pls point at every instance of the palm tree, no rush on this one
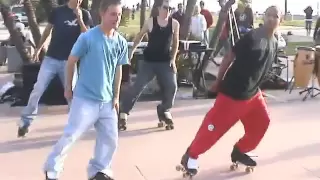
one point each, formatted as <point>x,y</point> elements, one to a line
<point>95,11</point>
<point>17,40</point>
<point>32,20</point>
<point>143,12</point>
<point>187,19</point>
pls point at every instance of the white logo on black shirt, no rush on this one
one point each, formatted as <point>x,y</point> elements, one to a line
<point>71,23</point>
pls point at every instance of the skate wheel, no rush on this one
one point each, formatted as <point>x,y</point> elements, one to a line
<point>160,124</point>
<point>249,169</point>
<point>234,167</point>
<point>169,127</point>
<point>185,175</point>
<point>179,168</point>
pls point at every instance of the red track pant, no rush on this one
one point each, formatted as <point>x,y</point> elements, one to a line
<point>223,115</point>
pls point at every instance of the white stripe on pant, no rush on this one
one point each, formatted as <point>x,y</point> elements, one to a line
<point>83,115</point>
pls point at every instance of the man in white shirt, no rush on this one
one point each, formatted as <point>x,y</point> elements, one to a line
<point>198,26</point>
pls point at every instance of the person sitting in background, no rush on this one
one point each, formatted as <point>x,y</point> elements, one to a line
<point>198,26</point>
<point>179,14</point>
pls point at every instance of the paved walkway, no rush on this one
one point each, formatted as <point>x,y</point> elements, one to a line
<point>290,149</point>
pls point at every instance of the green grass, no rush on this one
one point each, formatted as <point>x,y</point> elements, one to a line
<point>291,47</point>
<point>134,25</point>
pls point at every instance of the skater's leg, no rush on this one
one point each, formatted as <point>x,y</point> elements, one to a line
<point>144,76</point>
<point>83,114</point>
<point>106,142</point>
<point>48,70</point>
<point>167,79</point>
<point>255,122</point>
<point>224,114</point>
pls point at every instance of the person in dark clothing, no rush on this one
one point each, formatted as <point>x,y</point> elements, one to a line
<point>239,97</point>
<point>179,15</point>
<point>159,61</point>
<point>316,33</point>
<point>308,11</point>
<point>65,24</point>
<point>244,19</point>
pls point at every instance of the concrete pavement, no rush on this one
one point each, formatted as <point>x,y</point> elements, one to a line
<point>290,149</point>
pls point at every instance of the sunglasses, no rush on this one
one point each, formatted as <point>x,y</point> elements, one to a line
<point>168,8</point>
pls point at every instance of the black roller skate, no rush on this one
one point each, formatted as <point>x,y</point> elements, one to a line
<point>188,166</point>
<point>23,130</point>
<point>165,119</point>
<point>47,178</point>
<point>238,157</point>
<point>122,123</point>
<point>101,176</point>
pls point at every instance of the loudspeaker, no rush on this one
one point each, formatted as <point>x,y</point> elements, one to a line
<point>53,95</point>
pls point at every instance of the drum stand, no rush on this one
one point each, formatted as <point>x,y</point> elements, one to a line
<point>310,90</point>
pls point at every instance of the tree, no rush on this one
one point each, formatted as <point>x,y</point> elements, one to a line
<point>32,20</point>
<point>17,40</point>
<point>187,19</point>
<point>143,12</point>
<point>95,11</point>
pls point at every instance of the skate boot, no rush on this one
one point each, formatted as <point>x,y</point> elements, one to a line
<point>122,123</point>
<point>101,176</point>
<point>165,118</point>
<point>22,130</point>
<point>238,157</point>
<point>47,178</point>
<point>188,166</point>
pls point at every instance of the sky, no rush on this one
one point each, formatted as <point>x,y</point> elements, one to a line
<point>294,6</point>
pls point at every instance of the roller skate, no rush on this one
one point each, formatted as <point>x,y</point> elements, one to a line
<point>188,166</point>
<point>165,119</point>
<point>238,157</point>
<point>101,176</point>
<point>23,129</point>
<point>122,123</point>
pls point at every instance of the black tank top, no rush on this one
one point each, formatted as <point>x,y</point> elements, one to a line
<point>158,49</point>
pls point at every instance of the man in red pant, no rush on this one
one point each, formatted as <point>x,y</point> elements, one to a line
<point>240,75</point>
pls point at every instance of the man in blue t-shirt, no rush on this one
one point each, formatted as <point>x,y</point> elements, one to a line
<point>65,24</point>
<point>101,51</point>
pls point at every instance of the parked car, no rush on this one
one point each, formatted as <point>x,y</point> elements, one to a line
<point>19,14</point>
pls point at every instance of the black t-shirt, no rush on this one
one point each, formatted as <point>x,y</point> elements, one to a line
<point>254,54</point>
<point>65,32</point>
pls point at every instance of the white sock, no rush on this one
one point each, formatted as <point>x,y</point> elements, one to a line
<point>168,115</point>
<point>123,116</point>
<point>192,163</point>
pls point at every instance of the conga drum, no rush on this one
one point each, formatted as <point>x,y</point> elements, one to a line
<point>317,63</point>
<point>303,66</point>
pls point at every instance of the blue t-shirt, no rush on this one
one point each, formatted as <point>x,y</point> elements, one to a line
<point>65,32</point>
<point>99,56</point>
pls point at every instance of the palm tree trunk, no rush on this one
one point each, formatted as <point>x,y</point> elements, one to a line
<point>9,23</point>
<point>143,13</point>
<point>187,19</point>
<point>154,10</point>
<point>30,12</point>
<point>95,11</point>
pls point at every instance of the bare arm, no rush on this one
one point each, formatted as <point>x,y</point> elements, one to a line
<point>140,35</point>
<point>47,31</point>
<point>117,82</point>
<point>175,42</point>
<point>71,63</point>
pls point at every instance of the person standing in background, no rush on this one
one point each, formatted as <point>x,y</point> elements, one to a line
<point>308,11</point>
<point>244,17</point>
<point>179,14</point>
<point>208,17</point>
<point>198,26</point>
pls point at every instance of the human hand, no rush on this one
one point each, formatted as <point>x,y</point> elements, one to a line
<point>115,103</point>
<point>36,56</point>
<point>173,66</point>
<point>68,94</point>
